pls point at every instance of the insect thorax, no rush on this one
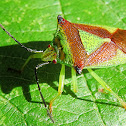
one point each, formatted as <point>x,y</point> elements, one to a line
<point>63,51</point>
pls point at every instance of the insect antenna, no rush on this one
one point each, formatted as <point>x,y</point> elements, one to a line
<point>37,67</point>
<point>36,77</point>
<point>28,49</point>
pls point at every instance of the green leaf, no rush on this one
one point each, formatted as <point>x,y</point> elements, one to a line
<point>34,23</point>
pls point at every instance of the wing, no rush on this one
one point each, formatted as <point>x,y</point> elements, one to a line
<point>105,46</point>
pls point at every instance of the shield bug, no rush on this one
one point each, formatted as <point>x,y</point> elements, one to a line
<point>80,46</point>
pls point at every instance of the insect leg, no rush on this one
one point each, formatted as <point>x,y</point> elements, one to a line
<point>28,49</point>
<point>61,86</point>
<point>37,55</point>
<point>74,79</point>
<point>36,77</point>
<point>106,86</point>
